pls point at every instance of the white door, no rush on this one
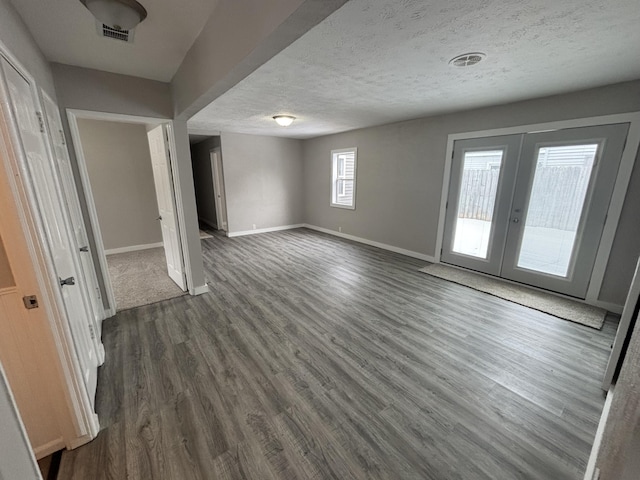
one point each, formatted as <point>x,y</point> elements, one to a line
<point>45,189</point>
<point>218,187</point>
<point>163,179</point>
<point>531,208</point>
<point>89,276</point>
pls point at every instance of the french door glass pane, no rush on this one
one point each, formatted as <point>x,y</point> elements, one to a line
<point>558,194</point>
<point>476,202</point>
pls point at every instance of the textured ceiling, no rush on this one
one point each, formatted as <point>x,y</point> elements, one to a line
<point>66,33</point>
<point>377,62</point>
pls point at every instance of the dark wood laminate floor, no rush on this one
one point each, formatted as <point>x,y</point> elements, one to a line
<point>317,358</point>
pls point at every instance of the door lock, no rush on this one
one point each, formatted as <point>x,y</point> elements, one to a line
<point>67,281</point>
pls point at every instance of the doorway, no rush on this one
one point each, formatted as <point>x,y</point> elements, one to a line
<point>208,179</point>
<point>126,171</point>
<point>532,207</point>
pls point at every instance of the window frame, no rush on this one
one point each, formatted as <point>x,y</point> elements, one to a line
<point>335,178</point>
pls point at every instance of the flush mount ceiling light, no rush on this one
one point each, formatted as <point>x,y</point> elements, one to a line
<point>117,14</point>
<point>467,59</point>
<point>284,120</point>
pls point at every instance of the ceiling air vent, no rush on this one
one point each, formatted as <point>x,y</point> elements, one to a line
<point>467,59</point>
<point>110,32</point>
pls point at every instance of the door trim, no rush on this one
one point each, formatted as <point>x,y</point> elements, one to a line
<point>73,115</point>
<point>617,198</point>
<point>85,421</point>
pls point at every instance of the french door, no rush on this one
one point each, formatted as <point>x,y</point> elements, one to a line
<point>531,208</point>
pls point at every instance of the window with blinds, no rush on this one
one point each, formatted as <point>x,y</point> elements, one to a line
<point>343,178</point>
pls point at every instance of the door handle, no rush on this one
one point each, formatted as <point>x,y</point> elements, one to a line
<point>516,220</point>
<point>67,281</point>
<point>84,249</point>
<point>159,218</point>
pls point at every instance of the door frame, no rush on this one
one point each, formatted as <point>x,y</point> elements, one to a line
<point>85,421</point>
<point>73,115</point>
<point>617,198</point>
<point>217,177</point>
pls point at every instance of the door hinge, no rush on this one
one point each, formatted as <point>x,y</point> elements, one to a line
<point>91,331</point>
<point>62,139</point>
<point>30,301</point>
<point>40,121</point>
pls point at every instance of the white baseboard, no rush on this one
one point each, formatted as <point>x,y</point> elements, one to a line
<point>200,289</point>
<point>132,248</point>
<point>384,246</point>
<point>48,448</point>
<point>264,230</point>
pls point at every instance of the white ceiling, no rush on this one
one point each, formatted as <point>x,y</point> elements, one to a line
<point>66,33</point>
<point>372,63</point>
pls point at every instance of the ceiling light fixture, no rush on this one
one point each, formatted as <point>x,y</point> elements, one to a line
<point>284,120</point>
<point>117,14</point>
<point>467,59</point>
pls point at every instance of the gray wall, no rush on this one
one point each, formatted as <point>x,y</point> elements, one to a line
<point>93,90</point>
<point>121,176</point>
<point>17,38</point>
<point>262,177</point>
<point>401,167</point>
<point>88,89</point>
<point>203,179</point>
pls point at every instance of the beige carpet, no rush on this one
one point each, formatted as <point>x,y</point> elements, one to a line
<point>140,278</point>
<point>544,302</point>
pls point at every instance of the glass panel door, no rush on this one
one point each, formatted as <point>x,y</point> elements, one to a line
<point>560,182</point>
<point>482,174</point>
<point>561,197</point>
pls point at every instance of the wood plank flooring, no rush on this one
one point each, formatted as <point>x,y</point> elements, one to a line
<point>313,357</point>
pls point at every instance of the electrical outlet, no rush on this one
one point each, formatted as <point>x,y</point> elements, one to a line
<point>340,229</point>
<point>254,226</point>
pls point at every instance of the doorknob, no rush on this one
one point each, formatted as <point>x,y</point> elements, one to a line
<point>67,281</point>
<point>516,220</point>
<point>84,249</point>
<point>159,218</point>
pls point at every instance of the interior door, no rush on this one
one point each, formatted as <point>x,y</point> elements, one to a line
<point>163,179</point>
<point>218,186</point>
<point>44,182</point>
<point>561,198</point>
<point>481,182</point>
<point>88,272</point>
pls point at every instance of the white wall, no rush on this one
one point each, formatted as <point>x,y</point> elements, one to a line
<point>401,167</point>
<point>263,181</point>
<point>121,176</point>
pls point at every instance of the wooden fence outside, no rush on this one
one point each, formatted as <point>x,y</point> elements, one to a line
<point>557,196</point>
